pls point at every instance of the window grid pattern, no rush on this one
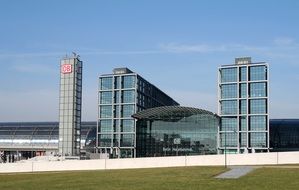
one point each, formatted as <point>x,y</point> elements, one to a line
<point>258,106</point>
<point>243,139</point>
<point>258,123</point>
<point>106,83</point>
<point>128,93</point>
<point>106,97</point>
<point>243,90</point>
<point>258,89</point>
<point>177,134</point>
<point>129,81</point>
<point>258,73</point>
<point>229,107</point>
<point>105,126</point>
<point>250,106</point>
<point>258,139</point>
<point>128,96</point>
<point>128,110</point>
<point>229,75</point>
<point>105,111</point>
<point>243,73</point>
<point>243,106</point>
<point>229,124</point>
<point>243,123</point>
<point>228,139</point>
<point>229,91</point>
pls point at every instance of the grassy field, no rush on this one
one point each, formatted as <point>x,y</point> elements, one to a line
<point>200,178</point>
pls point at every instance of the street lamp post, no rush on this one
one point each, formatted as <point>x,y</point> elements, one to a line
<point>225,156</point>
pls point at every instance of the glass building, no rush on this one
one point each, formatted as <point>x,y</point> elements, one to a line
<point>243,106</point>
<point>284,135</point>
<point>176,131</point>
<point>70,106</point>
<point>120,95</point>
<point>23,140</point>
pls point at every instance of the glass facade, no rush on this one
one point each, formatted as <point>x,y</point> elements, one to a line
<point>284,135</point>
<point>129,81</point>
<point>43,137</point>
<point>228,75</point>
<point>106,83</point>
<point>258,89</point>
<point>70,100</point>
<point>258,73</point>
<point>258,123</point>
<point>243,106</point>
<point>229,91</point>
<point>243,90</point>
<point>122,94</point>
<point>229,124</point>
<point>258,139</point>
<point>229,107</point>
<point>106,97</point>
<point>258,106</point>
<point>173,130</point>
<point>243,74</point>
<point>23,140</point>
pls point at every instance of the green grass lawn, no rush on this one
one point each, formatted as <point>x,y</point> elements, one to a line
<point>200,178</point>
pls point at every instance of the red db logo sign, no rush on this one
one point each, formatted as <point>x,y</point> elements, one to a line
<point>66,68</point>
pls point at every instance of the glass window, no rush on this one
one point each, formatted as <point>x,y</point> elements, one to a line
<point>106,83</point>
<point>229,124</point>
<point>243,106</point>
<point>243,139</point>
<point>129,81</point>
<point>229,107</point>
<point>229,75</point>
<point>258,106</point>
<point>105,125</point>
<point>191,135</point>
<point>243,90</point>
<point>243,74</point>
<point>128,110</point>
<point>115,140</point>
<point>116,111</point>
<point>258,123</point>
<point>258,89</point>
<point>116,96</point>
<point>105,97</point>
<point>127,140</point>
<point>258,73</point>
<point>105,140</point>
<point>105,111</point>
<point>117,83</point>
<point>127,125</point>
<point>128,96</point>
<point>116,125</point>
<point>229,91</point>
<point>243,123</point>
<point>228,139</point>
<point>258,140</point>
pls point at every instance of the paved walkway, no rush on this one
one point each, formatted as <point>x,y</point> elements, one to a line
<point>282,166</point>
<point>236,172</point>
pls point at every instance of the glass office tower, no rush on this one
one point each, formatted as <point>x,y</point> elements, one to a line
<point>120,95</point>
<point>70,106</point>
<point>243,105</point>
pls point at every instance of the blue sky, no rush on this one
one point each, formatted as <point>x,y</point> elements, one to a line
<point>176,45</point>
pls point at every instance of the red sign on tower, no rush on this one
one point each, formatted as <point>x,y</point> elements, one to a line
<point>66,68</point>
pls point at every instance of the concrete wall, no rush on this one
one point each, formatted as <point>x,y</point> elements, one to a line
<point>272,158</point>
